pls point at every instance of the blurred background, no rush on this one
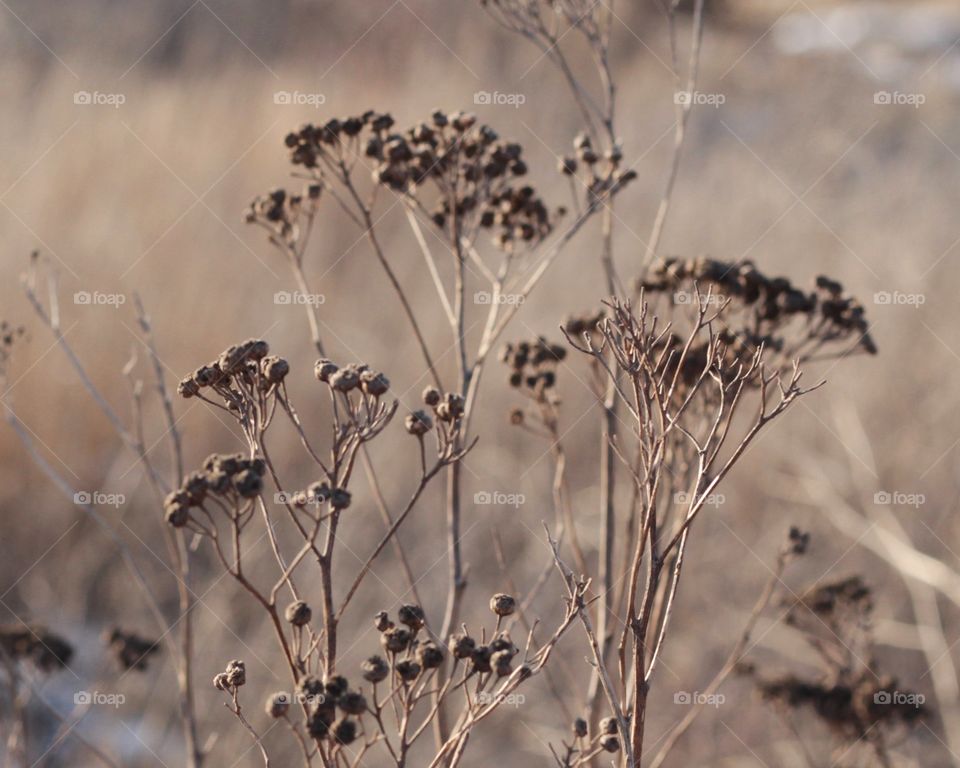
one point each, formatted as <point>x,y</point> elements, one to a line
<point>834,147</point>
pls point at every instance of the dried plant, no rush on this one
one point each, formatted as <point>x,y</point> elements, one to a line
<point>864,709</point>
<point>690,364</point>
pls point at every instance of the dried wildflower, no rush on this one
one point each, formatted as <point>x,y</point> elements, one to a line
<point>274,369</point>
<point>130,649</point>
<point>502,663</point>
<point>451,408</point>
<point>608,725</point>
<point>431,396</point>
<point>344,380</point>
<point>418,423</point>
<point>611,744</point>
<point>580,728</point>
<point>502,604</point>
<point>375,669</point>
<point>45,650</point>
<point>340,498</point>
<point>248,483</point>
<point>352,703</point>
<point>324,369</point>
<point>412,616</point>
<point>407,670</point>
<point>462,646</point>
<point>533,366</point>
<point>277,705</point>
<point>481,658</point>
<point>430,655</point>
<point>298,613</point>
<point>382,621</point>
<point>236,673</point>
<point>345,731</point>
<point>374,384</point>
<point>334,687</point>
<point>395,639</point>
<point>221,681</point>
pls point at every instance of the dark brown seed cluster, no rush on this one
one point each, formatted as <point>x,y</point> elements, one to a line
<point>333,708</point>
<point>533,365</point>
<point>853,709</point>
<point>231,477</point>
<point>494,657</point>
<point>132,651</point>
<point>411,655</point>
<point>830,599</point>
<point>467,163</point>
<point>240,367</point>
<point>585,324</point>
<point>601,175</point>
<point>45,650</point>
<point>829,313</point>
<point>282,213</point>
<point>447,407</point>
<point>798,541</point>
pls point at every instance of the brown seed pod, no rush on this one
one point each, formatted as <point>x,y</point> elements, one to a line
<point>298,613</point>
<point>278,704</point>
<point>503,604</point>
<point>418,423</point>
<point>395,639</point>
<point>412,616</point>
<point>352,703</point>
<point>375,669</point>
<point>324,369</point>
<point>462,646</point>
<point>407,670</point>
<point>430,655</point>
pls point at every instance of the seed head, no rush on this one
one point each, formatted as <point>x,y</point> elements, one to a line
<point>609,725</point>
<point>407,670</point>
<point>345,731</point>
<point>274,369</point>
<point>236,673</point>
<point>611,744</point>
<point>382,621</point>
<point>501,662</point>
<point>580,728</point>
<point>375,669</point>
<point>502,604</point>
<point>248,483</point>
<point>277,704</point>
<point>418,423</point>
<point>352,703</point>
<point>324,369</point>
<point>462,646</point>
<point>412,616</point>
<point>395,639</point>
<point>431,396</point>
<point>344,380</point>
<point>375,384</point>
<point>430,655</point>
<point>298,613</point>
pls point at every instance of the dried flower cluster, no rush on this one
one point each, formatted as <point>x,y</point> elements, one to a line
<point>46,650</point>
<point>472,170</point>
<point>799,325</point>
<point>132,651</point>
<point>864,708</point>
